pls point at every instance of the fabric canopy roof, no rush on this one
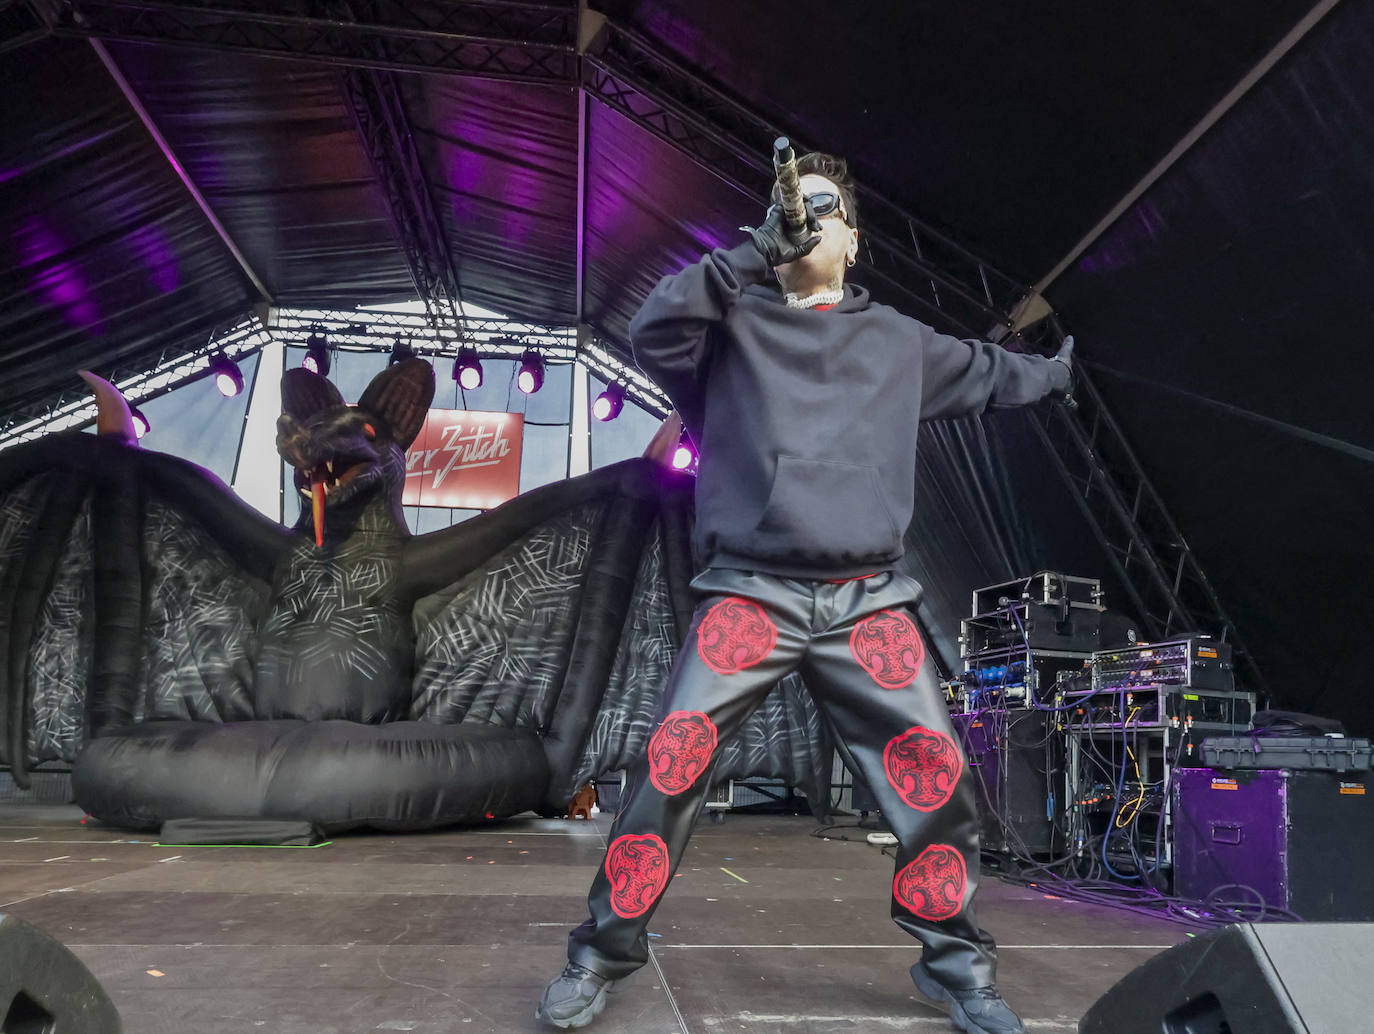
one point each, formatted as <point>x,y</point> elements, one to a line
<point>158,185</point>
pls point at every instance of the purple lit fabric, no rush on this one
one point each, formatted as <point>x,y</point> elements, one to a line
<point>103,255</point>
<point>272,146</point>
<point>501,159</point>
<point>650,211</point>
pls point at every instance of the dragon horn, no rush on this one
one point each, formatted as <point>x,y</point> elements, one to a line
<point>665,439</point>
<point>113,418</point>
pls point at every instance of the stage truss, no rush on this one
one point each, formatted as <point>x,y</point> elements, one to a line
<point>362,330</point>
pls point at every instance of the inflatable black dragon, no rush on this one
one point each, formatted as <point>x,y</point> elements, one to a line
<point>194,659</point>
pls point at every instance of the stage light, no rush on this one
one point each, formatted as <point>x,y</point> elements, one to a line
<point>467,369</point>
<point>228,376</point>
<point>400,352</point>
<point>316,354</point>
<point>684,456</point>
<point>610,402</point>
<point>531,376</point>
<point>141,425</point>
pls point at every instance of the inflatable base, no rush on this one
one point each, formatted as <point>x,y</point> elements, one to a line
<point>339,775</point>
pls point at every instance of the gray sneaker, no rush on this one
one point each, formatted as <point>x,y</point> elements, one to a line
<point>576,997</point>
<point>978,1010</point>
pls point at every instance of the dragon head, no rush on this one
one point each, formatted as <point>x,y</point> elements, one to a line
<point>342,454</point>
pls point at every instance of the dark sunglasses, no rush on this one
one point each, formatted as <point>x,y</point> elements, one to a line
<point>825,203</point>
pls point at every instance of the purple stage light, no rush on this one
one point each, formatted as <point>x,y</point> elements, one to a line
<point>531,376</point>
<point>610,402</point>
<point>467,369</point>
<point>316,354</point>
<point>400,352</point>
<point>685,455</point>
<point>228,376</point>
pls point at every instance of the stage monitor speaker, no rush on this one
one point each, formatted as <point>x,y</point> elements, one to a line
<point>1015,760</point>
<point>44,988</point>
<point>1275,978</point>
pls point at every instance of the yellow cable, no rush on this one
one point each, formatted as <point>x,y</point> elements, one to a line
<point>1130,810</point>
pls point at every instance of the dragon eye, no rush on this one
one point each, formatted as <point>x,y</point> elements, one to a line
<point>369,431</point>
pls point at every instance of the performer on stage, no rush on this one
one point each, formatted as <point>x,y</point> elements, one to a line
<point>805,404</point>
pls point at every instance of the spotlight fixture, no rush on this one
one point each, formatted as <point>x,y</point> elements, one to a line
<point>228,376</point>
<point>610,402</point>
<point>685,455</point>
<point>531,376</point>
<point>467,368</point>
<point>316,354</point>
<point>141,425</point>
<point>400,352</point>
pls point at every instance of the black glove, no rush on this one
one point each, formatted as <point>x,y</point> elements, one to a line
<point>777,244</point>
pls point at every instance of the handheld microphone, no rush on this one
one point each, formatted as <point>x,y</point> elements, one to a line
<point>789,185</point>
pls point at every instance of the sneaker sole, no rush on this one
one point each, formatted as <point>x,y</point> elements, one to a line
<point>936,992</point>
<point>593,1009</point>
<point>581,1019</point>
<point>932,989</point>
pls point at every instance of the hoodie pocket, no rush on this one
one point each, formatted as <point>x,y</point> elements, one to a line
<point>822,510</point>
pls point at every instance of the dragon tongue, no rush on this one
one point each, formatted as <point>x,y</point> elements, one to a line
<point>317,509</point>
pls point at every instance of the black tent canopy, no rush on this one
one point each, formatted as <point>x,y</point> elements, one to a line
<point>1188,184</point>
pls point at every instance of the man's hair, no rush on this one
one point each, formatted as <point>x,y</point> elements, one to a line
<point>836,170</point>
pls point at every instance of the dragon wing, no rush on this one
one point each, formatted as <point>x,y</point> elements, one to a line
<point>563,610</point>
<point>130,585</point>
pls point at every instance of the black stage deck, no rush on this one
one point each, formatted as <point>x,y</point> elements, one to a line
<point>766,929</point>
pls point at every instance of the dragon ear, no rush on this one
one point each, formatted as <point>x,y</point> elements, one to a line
<point>401,395</point>
<point>303,394</point>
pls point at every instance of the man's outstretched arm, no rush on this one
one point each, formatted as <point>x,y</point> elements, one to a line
<point>965,377</point>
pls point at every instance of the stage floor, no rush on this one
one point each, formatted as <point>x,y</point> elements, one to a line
<point>766,929</point>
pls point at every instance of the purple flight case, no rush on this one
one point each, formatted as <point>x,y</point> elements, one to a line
<point>1301,841</point>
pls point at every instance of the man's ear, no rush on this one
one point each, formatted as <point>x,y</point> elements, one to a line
<point>401,395</point>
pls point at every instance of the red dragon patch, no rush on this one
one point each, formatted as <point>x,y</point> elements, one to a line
<point>924,767</point>
<point>735,634</point>
<point>932,887</point>
<point>637,867</point>
<point>889,648</point>
<point>681,751</point>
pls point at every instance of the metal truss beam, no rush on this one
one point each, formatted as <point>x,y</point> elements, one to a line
<point>377,330</point>
<point>948,284</point>
<point>73,408</point>
<point>363,330</point>
<point>494,39</point>
<point>379,115</point>
<point>19,25</point>
<point>1168,588</point>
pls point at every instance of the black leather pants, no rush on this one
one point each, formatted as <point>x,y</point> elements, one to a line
<point>860,655</point>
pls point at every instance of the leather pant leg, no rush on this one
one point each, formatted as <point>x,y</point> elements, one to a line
<point>749,632</point>
<point>865,669</point>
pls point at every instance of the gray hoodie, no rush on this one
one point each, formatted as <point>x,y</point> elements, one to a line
<point>806,420</point>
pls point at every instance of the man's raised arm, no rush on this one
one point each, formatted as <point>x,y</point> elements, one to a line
<point>669,334</point>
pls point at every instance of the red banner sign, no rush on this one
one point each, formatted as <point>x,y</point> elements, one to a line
<point>465,459</point>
